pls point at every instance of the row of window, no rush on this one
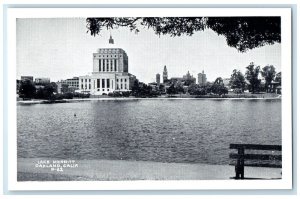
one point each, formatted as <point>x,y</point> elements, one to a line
<point>105,83</point>
<point>104,65</point>
<point>125,80</point>
<point>108,56</point>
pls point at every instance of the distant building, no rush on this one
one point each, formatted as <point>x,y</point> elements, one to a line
<point>165,74</point>
<point>176,80</point>
<point>189,79</point>
<point>42,80</point>
<point>30,78</point>
<point>72,82</point>
<point>202,78</point>
<point>110,72</point>
<point>158,78</point>
<point>226,82</point>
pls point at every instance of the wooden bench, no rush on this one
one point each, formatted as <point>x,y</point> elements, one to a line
<point>262,159</point>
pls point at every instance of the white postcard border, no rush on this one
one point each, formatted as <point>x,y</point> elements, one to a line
<point>284,183</point>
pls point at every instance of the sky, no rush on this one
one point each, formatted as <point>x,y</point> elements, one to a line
<point>61,48</point>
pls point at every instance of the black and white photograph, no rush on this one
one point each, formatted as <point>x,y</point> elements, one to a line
<point>139,98</point>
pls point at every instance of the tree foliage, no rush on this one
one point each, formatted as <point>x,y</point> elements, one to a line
<point>242,33</point>
<point>252,76</point>
<point>27,89</point>
<point>278,78</point>
<point>218,87</point>
<point>237,80</point>
<point>268,72</point>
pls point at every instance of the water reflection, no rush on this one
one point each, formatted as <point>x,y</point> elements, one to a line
<point>150,130</point>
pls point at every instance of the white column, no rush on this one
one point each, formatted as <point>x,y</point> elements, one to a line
<point>109,65</point>
<point>101,64</point>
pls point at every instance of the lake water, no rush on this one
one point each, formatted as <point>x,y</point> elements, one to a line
<point>166,130</point>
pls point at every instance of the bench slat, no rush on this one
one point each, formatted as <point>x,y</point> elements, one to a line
<point>255,156</point>
<point>256,147</point>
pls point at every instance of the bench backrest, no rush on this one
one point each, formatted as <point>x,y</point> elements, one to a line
<point>241,155</point>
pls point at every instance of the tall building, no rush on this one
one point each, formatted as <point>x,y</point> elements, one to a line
<point>188,78</point>
<point>110,72</point>
<point>158,78</point>
<point>202,78</point>
<point>165,74</point>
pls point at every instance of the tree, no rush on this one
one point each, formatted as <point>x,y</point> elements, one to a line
<point>27,89</point>
<point>252,76</point>
<point>268,72</point>
<point>64,88</point>
<point>278,78</point>
<point>218,87</point>
<point>172,90</point>
<point>242,33</point>
<point>237,80</point>
<point>135,88</point>
<point>48,91</point>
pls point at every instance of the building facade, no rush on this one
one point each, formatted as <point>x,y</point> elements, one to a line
<point>110,72</point>
<point>42,80</point>
<point>72,82</point>
<point>165,75</point>
<point>202,78</point>
<point>158,78</point>
<point>30,78</point>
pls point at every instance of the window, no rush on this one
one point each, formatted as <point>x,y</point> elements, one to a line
<point>121,86</point>
<point>103,82</point>
<point>125,86</point>
<point>115,64</point>
<point>98,83</point>
<point>89,80</point>
<point>117,80</point>
<point>117,86</point>
<point>89,86</point>
<point>81,86</point>
<point>121,80</point>
<point>107,83</point>
<point>125,80</point>
<point>81,80</point>
<point>85,80</point>
<point>107,67</point>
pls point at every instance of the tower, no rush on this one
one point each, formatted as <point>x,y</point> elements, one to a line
<point>165,74</point>
<point>202,78</point>
<point>111,40</point>
<point>158,78</point>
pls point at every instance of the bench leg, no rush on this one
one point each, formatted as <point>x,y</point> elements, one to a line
<point>239,168</point>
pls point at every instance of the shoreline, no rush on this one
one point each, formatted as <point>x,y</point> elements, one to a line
<point>128,170</point>
<point>137,98</point>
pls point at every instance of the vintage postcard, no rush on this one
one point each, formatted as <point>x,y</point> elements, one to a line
<point>149,99</point>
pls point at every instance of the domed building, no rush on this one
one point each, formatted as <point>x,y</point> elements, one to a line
<point>110,72</point>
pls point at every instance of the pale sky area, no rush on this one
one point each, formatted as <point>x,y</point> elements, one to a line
<point>61,48</point>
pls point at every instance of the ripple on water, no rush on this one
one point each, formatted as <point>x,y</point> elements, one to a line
<point>151,130</point>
